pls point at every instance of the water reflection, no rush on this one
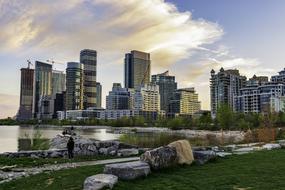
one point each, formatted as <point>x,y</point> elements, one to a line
<point>14,138</point>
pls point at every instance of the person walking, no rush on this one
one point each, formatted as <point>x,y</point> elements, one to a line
<point>70,147</point>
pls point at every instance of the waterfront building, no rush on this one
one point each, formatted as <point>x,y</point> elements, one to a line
<point>257,80</point>
<point>224,86</point>
<point>98,95</point>
<point>58,82</point>
<point>167,86</point>
<point>118,98</point>
<point>88,58</point>
<point>184,102</point>
<point>42,84</point>
<point>147,98</point>
<point>137,69</point>
<point>280,78</point>
<point>26,94</point>
<point>74,86</point>
<point>260,99</point>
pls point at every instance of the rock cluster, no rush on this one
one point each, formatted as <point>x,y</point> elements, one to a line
<point>82,147</point>
<point>178,152</point>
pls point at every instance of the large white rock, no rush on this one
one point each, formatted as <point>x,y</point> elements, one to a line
<point>184,151</point>
<point>271,146</point>
<point>128,170</point>
<point>100,181</point>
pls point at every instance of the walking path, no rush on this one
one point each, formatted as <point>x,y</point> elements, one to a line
<point>17,173</point>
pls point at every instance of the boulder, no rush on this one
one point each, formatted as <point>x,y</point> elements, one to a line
<point>282,143</point>
<point>128,152</point>
<point>184,151</point>
<point>161,157</point>
<point>201,157</point>
<point>128,170</point>
<point>271,146</point>
<point>100,181</point>
<point>223,154</point>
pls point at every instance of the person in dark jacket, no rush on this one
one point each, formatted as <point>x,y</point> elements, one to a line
<point>70,147</point>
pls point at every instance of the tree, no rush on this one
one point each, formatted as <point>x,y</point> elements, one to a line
<point>225,116</point>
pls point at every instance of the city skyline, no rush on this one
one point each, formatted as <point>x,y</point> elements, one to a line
<point>206,44</point>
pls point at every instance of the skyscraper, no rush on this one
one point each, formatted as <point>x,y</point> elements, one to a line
<point>26,94</point>
<point>185,102</point>
<point>74,86</point>
<point>42,83</point>
<point>98,95</point>
<point>118,98</point>
<point>58,82</point>
<point>137,69</point>
<point>89,59</point>
<point>224,86</point>
<point>167,86</point>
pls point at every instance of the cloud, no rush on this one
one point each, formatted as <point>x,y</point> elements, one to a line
<point>8,105</point>
<point>106,25</point>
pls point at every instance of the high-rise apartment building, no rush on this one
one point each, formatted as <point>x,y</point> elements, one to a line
<point>42,83</point>
<point>118,98</point>
<point>147,98</point>
<point>137,69</point>
<point>58,82</point>
<point>260,98</point>
<point>74,86</point>
<point>88,58</point>
<point>224,86</point>
<point>167,86</point>
<point>26,94</point>
<point>185,102</point>
<point>280,77</point>
<point>98,95</point>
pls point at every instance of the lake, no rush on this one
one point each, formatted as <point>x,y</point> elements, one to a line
<point>14,138</point>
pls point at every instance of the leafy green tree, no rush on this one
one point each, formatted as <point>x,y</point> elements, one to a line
<point>225,116</point>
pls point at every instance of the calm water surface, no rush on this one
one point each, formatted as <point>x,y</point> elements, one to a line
<point>14,138</point>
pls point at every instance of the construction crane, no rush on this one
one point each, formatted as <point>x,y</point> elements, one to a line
<point>29,63</point>
<point>53,62</point>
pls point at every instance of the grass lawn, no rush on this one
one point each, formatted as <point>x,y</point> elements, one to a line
<point>35,162</point>
<point>264,170</point>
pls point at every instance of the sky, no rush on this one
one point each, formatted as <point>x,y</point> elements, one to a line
<point>186,37</point>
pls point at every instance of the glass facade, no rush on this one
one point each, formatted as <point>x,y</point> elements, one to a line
<point>167,87</point>
<point>74,86</point>
<point>58,82</point>
<point>137,69</point>
<point>42,83</point>
<point>99,95</point>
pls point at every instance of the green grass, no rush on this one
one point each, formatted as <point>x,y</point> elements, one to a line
<point>34,162</point>
<point>69,179</point>
<point>259,171</point>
